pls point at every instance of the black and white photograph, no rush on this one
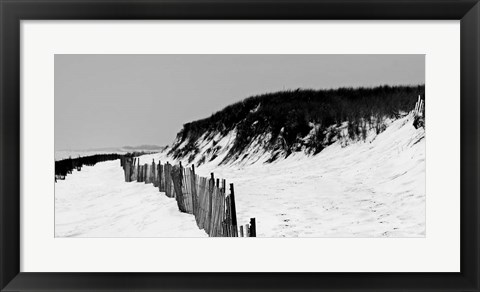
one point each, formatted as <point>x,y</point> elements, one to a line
<point>248,145</point>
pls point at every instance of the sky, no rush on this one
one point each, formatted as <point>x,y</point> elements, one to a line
<point>119,100</point>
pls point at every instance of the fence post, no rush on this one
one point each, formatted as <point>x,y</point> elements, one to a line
<point>176,175</point>
<point>132,170</point>
<point>144,172</point>
<point>152,173</point>
<point>194,191</point>
<point>168,190</point>
<point>253,228</point>
<point>181,178</point>
<point>140,177</point>
<point>161,186</point>
<point>234,211</point>
<point>228,217</point>
<point>138,172</point>
<point>241,230</point>
<point>212,181</point>
<point>147,173</point>
<point>159,175</point>
<point>225,230</point>
<point>211,185</point>
<point>126,168</point>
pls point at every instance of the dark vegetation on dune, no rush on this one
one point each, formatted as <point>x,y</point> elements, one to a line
<point>288,116</point>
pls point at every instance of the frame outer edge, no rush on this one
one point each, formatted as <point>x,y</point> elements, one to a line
<point>9,144</point>
<point>2,218</point>
<point>9,182</point>
<point>470,142</point>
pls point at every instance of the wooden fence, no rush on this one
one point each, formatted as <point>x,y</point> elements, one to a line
<point>419,114</point>
<point>419,107</point>
<point>205,198</point>
<point>66,166</point>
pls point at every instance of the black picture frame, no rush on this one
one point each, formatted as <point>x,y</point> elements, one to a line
<point>13,11</point>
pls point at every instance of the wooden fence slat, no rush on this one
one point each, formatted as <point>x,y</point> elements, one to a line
<point>228,216</point>
<point>177,184</point>
<point>253,227</point>
<point>233,211</point>
<point>126,164</point>
<point>133,175</point>
<point>138,173</point>
<point>146,173</point>
<point>152,174</point>
<point>194,191</point>
<point>162,178</point>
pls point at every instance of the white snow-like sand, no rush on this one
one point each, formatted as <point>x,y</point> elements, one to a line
<point>366,189</point>
<point>97,202</point>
